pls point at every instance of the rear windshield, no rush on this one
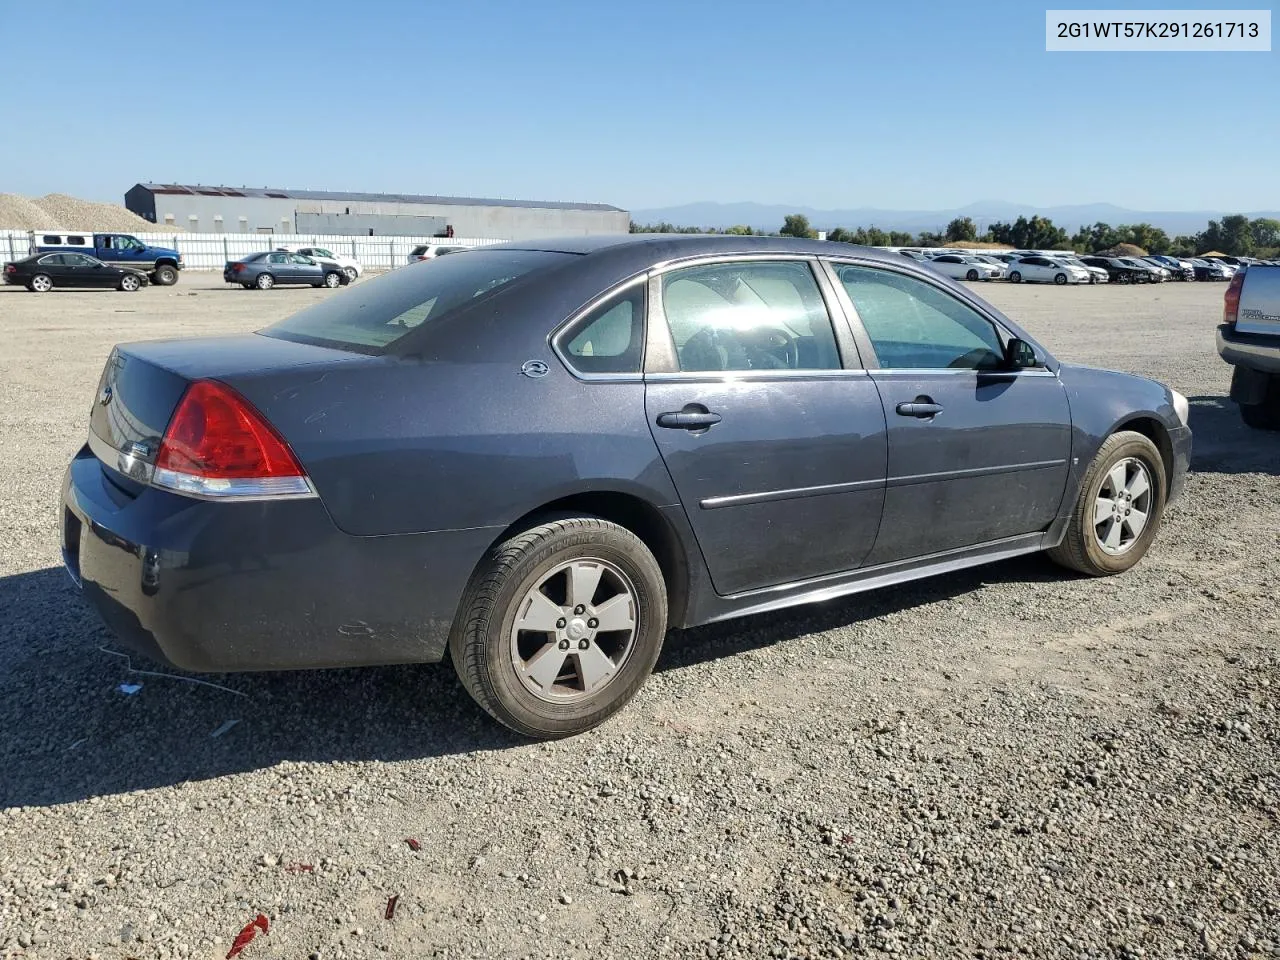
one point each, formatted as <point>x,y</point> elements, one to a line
<point>372,316</point>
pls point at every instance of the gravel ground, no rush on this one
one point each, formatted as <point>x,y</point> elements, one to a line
<point>58,211</point>
<point>1010,760</point>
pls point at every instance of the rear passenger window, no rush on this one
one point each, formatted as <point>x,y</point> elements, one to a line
<point>914,325</point>
<point>609,339</point>
<point>749,316</point>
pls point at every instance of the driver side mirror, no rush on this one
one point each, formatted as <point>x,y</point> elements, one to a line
<point>1019,354</point>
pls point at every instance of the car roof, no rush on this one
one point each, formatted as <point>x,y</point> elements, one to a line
<point>673,246</point>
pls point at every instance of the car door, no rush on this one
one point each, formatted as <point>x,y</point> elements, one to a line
<point>305,270</point>
<point>85,271</point>
<point>280,267</point>
<point>978,452</point>
<point>772,432</point>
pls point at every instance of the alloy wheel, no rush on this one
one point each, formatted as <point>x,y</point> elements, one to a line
<point>1123,506</point>
<point>574,630</point>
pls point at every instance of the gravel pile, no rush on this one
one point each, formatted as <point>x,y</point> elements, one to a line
<point>1006,762</point>
<point>59,211</point>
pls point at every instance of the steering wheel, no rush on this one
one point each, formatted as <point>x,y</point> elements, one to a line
<point>774,346</point>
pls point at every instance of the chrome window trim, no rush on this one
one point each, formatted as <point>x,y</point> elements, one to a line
<point>755,376</point>
<point>556,339</point>
<point>1002,331</point>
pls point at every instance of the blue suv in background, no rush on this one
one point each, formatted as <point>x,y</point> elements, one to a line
<point>160,264</point>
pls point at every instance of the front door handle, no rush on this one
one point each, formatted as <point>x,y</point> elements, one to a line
<point>922,408</point>
<point>692,417</point>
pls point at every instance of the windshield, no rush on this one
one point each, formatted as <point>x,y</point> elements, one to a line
<point>376,314</point>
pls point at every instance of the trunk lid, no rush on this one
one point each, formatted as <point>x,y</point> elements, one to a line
<point>142,384</point>
<point>1259,310</point>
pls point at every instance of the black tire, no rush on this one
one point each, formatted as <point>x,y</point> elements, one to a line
<point>1079,549</point>
<point>40,283</point>
<point>165,275</point>
<point>480,642</point>
<point>1060,279</point>
<point>130,283</point>
<point>333,279</point>
<point>352,276</point>
<point>1264,415</point>
<point>1015,277</point>
<point>264,281</point>
<point>247,286</point>
<point>971,275</point>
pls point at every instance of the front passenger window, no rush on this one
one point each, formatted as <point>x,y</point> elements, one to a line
<point>915,325</point>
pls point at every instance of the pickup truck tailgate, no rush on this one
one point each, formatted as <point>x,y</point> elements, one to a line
<point>1260,301</point>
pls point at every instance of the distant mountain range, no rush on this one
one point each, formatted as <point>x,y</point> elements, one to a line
<point>764,216</point>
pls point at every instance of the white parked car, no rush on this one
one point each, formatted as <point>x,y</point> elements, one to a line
<point>966,268</point>
<point>350,265</point>
<point>429,251</point>
<point>1046,270</point>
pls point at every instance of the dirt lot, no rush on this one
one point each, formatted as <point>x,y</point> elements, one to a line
<point>1008,760</point>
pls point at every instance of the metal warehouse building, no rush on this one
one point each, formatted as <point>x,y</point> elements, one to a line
<point>202,209</point>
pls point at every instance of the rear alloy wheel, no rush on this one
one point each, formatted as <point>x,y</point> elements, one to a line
<point>265,281</point>
<point>1118,510</point>
<point>560,626</point>
<point>129,283</point>
<point>333,280</point>
<point>971,275</point>
<point>166,276</point>
<point>1015,277</point>
<point>41,283</point>
<point>1060,278</point>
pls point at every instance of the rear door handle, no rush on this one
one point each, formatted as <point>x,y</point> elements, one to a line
<point>688,420</point>
<point>921,408</point>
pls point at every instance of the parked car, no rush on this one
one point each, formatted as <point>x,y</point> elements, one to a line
<point>1211,269</point>
<point>45,271</point>
<point>915,255</point>
<point>160,264</point>
<point>540,456</point>
<point>266,270</point>
<point>1118,271</point>
<point>1037,269</point>
<point>1096,274</point>
<point>350,265</point>
<point>429,251</point>
<point>1249,340</point>
<point>965,268</point>
<point>1177,269</point>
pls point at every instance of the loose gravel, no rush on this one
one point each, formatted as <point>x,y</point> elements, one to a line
<point>57,211</point>
<point>1007,761</point>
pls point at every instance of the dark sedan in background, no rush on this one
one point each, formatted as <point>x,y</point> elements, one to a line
<point>539,457</point>
<point>45,271</point>
<point>266,270</point>
<point>1119,271</point>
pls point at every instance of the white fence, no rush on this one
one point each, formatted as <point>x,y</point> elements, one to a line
<point>209,251</point>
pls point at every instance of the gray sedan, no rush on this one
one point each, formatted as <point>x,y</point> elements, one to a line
<point>539,457</point>
<point>266,270</point>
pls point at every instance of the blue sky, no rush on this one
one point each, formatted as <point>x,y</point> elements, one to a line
<point>828,103</point>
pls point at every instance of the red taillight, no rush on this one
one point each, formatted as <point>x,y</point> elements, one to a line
<point>237,267</point>
<point>10,268</point>
<point>218,445</point>
<point>1231,299</point>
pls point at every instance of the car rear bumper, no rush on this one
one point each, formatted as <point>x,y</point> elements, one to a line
<point>270,585</point>
<point>1257,351</point>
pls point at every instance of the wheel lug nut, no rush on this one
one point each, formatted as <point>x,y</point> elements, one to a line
<point>579,609</point>
<point>593,623</point>
<point>583,644</point>
<point>561,623</point>
<point>564,644</point>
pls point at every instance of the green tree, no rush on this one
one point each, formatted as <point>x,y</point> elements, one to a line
<point>839,235</point>
<point>900,238</point>
<point>1231,235</point>
<point>1038,233</point>
<point>797,225</point>
<point>928,238</point>
<point>740,230</point>
<point>1182,246</point>
<point>961,228</point>
<point>877,237</point>
<point>1144,235</point>
<point>1265,232</point>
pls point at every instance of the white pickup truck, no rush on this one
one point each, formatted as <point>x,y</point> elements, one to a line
<point>1249,340</point>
